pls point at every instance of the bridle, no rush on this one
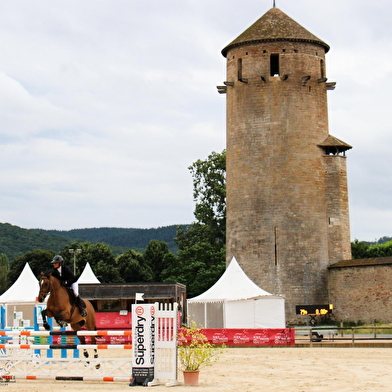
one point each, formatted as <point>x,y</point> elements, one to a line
<point>45,292</point>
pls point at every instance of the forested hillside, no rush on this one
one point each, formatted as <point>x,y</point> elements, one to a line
<point>15,241</point>
<point>122,238</point>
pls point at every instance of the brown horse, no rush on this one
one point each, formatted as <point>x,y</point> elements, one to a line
<point>63,310</point>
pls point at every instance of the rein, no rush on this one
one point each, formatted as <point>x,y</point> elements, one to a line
<point>50,290</point>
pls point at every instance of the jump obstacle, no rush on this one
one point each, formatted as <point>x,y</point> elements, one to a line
<point>19,361</point>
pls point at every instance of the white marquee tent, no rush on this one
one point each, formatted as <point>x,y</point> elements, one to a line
<point>25,289</point>
<point>88,276</point>
<point>234,301</point>
<point>20,297</point>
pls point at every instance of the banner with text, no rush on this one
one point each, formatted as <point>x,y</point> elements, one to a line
<point>143,342</point>
<point>251,337</point>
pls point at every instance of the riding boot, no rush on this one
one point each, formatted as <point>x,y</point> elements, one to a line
<point>80,304</point>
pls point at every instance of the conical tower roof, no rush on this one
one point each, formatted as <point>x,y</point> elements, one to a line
<point>274,25</point>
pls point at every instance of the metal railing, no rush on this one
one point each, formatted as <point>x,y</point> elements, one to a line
<point>319,334</point>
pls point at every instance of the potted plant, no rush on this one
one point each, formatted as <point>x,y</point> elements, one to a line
<point>194,351</point>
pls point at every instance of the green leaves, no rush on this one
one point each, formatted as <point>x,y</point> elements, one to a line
<point>362,250</point>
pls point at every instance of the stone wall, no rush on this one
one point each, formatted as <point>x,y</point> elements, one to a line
<point>361,290</point>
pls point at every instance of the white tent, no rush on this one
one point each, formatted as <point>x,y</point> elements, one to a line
<point>25,289</point>
<point>20,299</point>
<point>234,301</point>
<point>88,276</point>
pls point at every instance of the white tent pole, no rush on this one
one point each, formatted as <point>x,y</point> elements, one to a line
<point>224,314</point>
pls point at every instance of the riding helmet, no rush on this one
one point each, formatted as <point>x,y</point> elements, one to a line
<point>57,259</point>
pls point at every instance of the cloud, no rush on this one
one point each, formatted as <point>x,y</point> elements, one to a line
<point>104,105</point>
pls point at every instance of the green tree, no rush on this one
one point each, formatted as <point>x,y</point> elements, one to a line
<point>155,255</point>
<point>201,255</point>
<point>39,261</point>
<point>359,249</point>
<point>209,193</point>
<point>380,250</point>
<point>4,269</point>
<point>90,253</point>
<point>107,273</point>
<point>198,264</point>
<point>133,268</point>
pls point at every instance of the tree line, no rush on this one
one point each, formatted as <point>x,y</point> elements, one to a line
<point>365,250</point>
<point>15,241</point>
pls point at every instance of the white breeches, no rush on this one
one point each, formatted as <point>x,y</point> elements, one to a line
<point>75,288</point>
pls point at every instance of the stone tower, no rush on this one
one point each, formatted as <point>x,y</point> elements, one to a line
<point>287,199</point>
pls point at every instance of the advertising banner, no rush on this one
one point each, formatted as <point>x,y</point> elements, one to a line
<point>143,342</point>
<point>251,337</point>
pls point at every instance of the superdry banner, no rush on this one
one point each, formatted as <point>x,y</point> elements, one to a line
<point>251,337</point>
<point>143,342</point>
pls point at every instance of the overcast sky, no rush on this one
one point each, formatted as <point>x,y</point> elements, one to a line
<point>105,104</point>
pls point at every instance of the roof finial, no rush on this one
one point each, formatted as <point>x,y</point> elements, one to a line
<point>274,5</point>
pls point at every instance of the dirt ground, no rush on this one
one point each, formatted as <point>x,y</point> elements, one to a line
<point>264,369</point>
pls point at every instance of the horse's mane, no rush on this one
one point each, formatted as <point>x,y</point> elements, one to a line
<point>49,274</point>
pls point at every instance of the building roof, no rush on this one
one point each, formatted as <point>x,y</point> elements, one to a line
<point>362,262</point>
<point>334,145</point>
<point>114,291</point>
<point>275,25</point>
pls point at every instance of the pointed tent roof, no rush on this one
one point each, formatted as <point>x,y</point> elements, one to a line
<point>233,285</point>
<point>88,276</point>
<point>25,289</point>
<point>275,25</point>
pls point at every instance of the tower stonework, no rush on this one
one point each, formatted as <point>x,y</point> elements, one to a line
<point>287,199</point>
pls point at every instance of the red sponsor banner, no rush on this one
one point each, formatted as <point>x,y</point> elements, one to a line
<point>251,337</point>
<point>113,321</point>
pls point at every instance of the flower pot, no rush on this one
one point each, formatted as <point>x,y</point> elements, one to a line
<point>191,377</point>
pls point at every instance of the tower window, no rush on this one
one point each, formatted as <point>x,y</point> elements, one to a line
<point>239,69</point>
<point>322,68</point>
<point>274,64</point>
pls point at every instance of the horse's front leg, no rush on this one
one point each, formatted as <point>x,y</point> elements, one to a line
<point>86,353</point>
<point>44,319</point>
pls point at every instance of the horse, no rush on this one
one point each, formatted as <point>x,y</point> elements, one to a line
<point>61,306</point>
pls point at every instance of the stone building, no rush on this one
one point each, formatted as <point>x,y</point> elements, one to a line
<point>287,198</point>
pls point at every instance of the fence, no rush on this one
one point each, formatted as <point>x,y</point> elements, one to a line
<point>19,358</point>
<point>353,336</point>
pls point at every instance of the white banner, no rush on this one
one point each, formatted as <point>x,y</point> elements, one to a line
<point>143,342</point>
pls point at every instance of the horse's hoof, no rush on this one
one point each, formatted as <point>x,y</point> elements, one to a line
<point>46,326</point>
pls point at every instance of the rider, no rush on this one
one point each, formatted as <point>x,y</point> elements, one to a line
<point>65,275</point>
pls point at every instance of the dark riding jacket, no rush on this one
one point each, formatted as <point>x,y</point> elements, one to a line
<point>67,276</point>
